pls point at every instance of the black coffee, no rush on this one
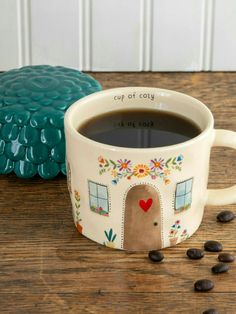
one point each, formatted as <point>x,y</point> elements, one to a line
<point>139,128</point>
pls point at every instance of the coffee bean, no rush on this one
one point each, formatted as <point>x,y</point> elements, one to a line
<point>226,257</point>
<point>210,311</point>
<point>220,268</point>
<point>225,216</point>
<point>195,253</point>
<point>155,256</point>
<point>213,246</point>
<point>203,285</point>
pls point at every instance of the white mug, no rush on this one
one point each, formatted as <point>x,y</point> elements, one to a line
<point>148,198</point>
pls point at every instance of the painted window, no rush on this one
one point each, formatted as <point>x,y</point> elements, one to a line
<point>183,195</point>
<point>98,198</point>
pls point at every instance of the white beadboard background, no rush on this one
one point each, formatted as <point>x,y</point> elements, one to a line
<point>119,35</point>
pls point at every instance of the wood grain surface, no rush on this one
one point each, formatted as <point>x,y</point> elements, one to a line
<point>47,267</point>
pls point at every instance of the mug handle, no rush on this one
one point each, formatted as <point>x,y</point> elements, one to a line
<point>225,196</point>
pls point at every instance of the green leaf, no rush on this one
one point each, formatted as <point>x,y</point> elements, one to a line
<point>110,234</point>
<point>113,163</point>
<point>106,235</point>
<point>168,162</point>
<point>102,171</point>
<point>113,239</point>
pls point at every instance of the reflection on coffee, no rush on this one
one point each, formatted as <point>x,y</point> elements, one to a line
<point>139,128</point>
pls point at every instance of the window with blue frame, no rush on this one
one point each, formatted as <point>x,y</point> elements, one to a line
<point>183,195</point>
<point>98,198</point>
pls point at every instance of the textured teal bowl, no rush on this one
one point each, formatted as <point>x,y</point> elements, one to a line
<point>33,101</point>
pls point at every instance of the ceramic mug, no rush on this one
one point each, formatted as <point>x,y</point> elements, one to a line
<point>148,198</point>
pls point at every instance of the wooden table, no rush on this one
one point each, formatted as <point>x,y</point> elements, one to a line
<point>47,267</point>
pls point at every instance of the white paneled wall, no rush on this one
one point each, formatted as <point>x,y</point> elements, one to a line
<point>224,39</point>
<point>119,35</point>
<point>116,30</point>
<point>55,36</point>
<point>10,34</point>
<point>178,43</point>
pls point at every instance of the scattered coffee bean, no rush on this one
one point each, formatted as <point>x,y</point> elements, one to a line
<point>213,246</point>
<point>210,311</point>
<point>195,253</point>
<point>156,256</point>
<point>226,257</point>
<point>220,268</point>
<point>225,216</point>
<point>203,285</point>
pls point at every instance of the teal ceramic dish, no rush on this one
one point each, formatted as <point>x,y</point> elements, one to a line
<point>33,101</point>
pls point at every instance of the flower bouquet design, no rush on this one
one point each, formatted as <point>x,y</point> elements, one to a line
<point>77,212</point>
<point>110,238</point>
<point>174,231</point>
<point>155,168</point>
<point>184,235</point>
<point>99,210</point>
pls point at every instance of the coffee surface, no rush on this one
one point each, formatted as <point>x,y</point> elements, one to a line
<point>139,128</point>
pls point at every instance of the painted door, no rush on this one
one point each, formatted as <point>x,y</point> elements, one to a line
<point>142,219</point>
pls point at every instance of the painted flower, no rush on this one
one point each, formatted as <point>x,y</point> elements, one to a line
<point>124,165</point>
<point>114,173</point>
<point>157,164</point>
<point>167,181</point>
<point>101,160</point>
<point>141,170</point>
<point>77,195</point>
<point>123,168</point>
<point>166,172</point>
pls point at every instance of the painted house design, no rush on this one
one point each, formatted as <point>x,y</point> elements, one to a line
<point>125,207</point>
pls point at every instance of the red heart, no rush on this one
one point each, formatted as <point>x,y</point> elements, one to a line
<point>145,205</point>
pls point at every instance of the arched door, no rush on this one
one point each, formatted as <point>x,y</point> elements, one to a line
<point>142,219</point>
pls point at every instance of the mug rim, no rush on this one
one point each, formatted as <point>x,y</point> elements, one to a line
<point>94,96</point>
